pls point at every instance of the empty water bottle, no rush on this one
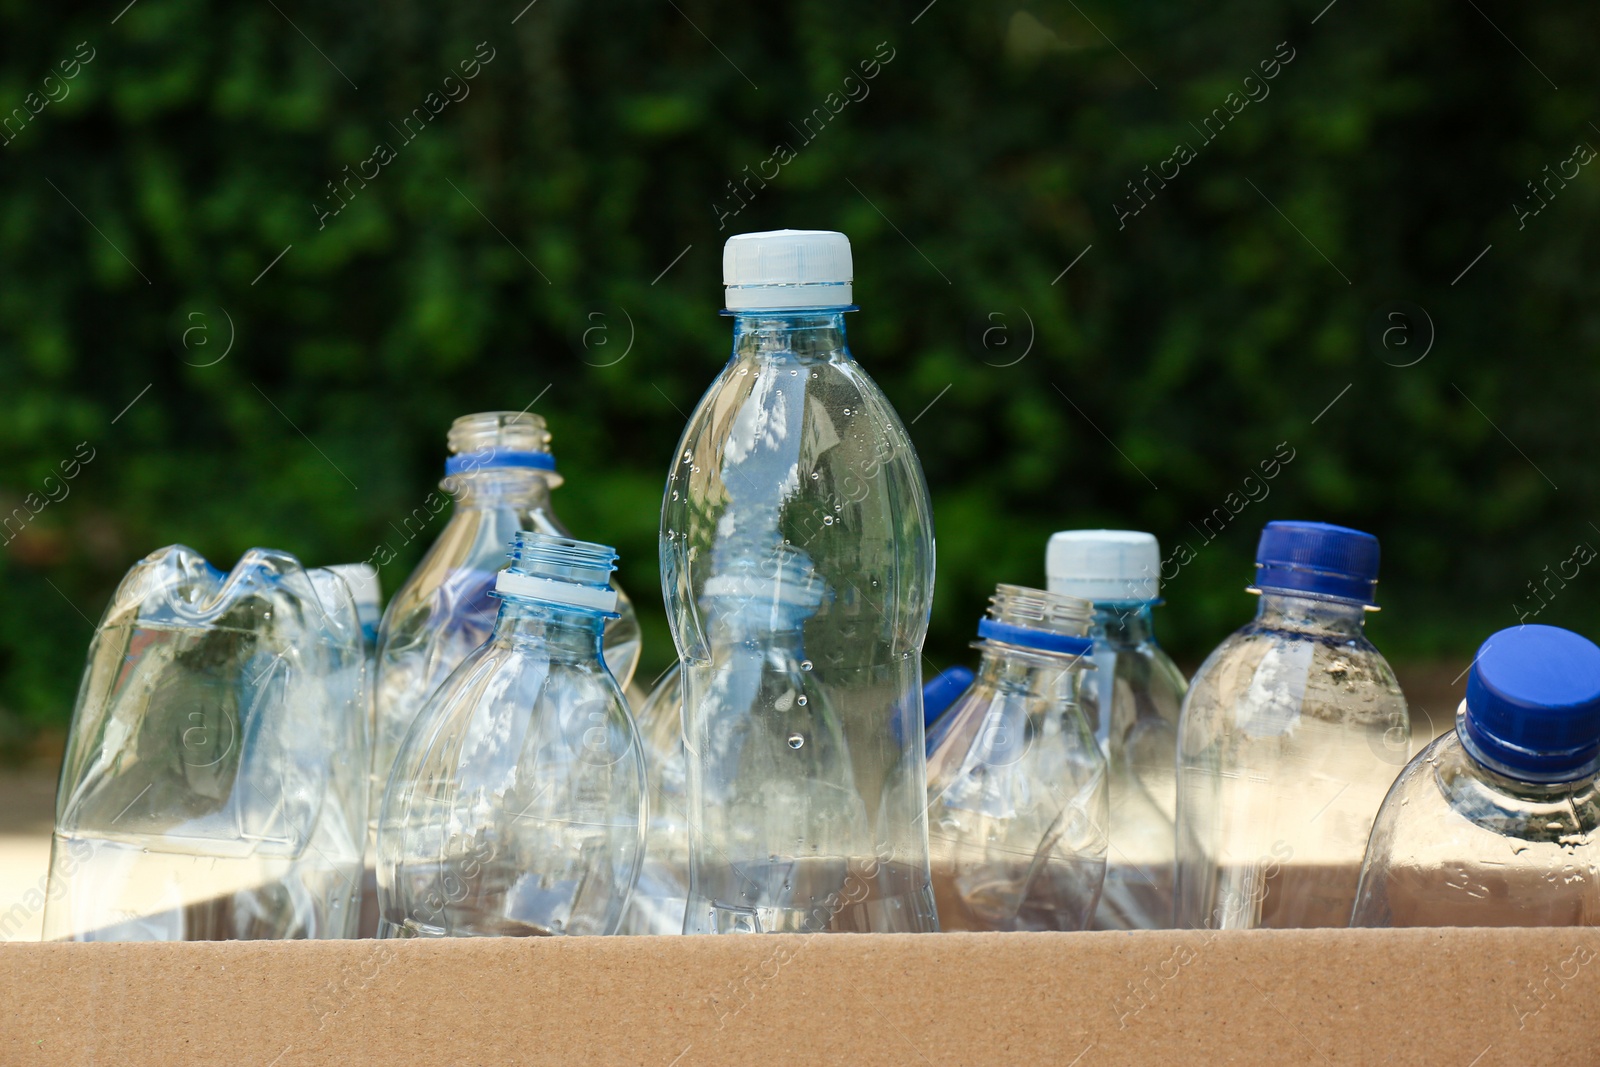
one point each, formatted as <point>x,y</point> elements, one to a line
<point>1132,700</point>
<point>214,785</point>
<point>1495,823</point>
<point>1290,735</point>
<point>517,803</point>
<point>796,493</point>
<point>500,472</point>
<point>1016,783</point>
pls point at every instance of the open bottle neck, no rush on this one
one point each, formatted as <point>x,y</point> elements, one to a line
<point>806,335</point>
<point>1322,616</point>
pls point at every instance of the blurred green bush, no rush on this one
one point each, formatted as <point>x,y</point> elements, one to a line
<point>166,206</point>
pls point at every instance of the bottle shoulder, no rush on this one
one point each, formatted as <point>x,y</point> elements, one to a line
<point>1445,779</point>
<point>1263,670</point>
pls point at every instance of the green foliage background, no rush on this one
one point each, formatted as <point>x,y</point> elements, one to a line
<point>1173,358</point>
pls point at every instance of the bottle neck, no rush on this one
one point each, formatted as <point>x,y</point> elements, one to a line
<point>1123,625</point>
<point>570,634</point>
<point>808,336</point>
<point>1311,615</point>
<point>495,488</point>
<point>1013,668</point>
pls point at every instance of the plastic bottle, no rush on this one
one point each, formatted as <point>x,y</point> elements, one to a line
<point>517,804</point>
<point>1290,735</point>
<point>214,784</point>
<point>1495,823</point>
<point>1017,808</point>
<point>500,472</point>
<point>796,492</point>
<point>1132,700</point>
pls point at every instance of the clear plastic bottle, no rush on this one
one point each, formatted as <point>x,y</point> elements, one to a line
<point>1290,735</point>
<point>500,472</point>
<point>1495,823</point>
<point>796,491</point>
<point>214,785</point>
<point>517,804</point>
<point>1132,700</point>
<point>1017,807</point>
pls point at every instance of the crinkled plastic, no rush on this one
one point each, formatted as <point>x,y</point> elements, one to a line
<point>214,785</point>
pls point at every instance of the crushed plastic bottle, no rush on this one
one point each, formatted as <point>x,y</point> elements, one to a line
<point>1290,735</point>
<point>517,805</point>
<point>796,491</point>
<point>1495,823</point>
<point>214,784</point>
<point>500,472</point>
<point>1017,807</point>
<point>1132,700</point>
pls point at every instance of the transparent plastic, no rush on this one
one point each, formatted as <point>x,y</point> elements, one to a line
<point>1017,808</point>
<point>444,610</point>
<point>1458,844</point>
<point>1290,735</point>
<point>796,492</point>
<point>517,804</point>
<point>660,898</point>
<point>1132,700</point>
<point>214,784</point>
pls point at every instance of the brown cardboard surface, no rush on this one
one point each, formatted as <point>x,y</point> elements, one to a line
<point>1456,998</point>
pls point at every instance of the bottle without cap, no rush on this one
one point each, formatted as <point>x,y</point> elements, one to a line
<point>1016,782</point>
<point>1291,733</point>
<point>517,804</point>
<point>500,472</point>
<point>1497,822</point>
<point>1132,699</point>
<point>796,501</point>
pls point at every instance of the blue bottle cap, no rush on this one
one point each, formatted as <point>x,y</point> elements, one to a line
<point>940,693</point>
<point>1533,705</point>
<point>1317,559</point>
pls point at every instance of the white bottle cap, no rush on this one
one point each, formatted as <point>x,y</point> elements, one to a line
<point>787,269</point>
<point>1104,565</point>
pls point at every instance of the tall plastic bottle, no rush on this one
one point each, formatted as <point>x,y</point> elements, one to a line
<point>500,472</point>
<point>1290,735</point>
<point>517,804</point>
<point>1132,700</point>
<point>1016,783</point>
<point>1497,822</point>
<point>796,493</point>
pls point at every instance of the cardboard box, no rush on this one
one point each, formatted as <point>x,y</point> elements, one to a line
<point>1455,998</point>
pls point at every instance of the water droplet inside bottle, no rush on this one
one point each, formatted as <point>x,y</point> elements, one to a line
<point>796,741</point>
<point>806,665</point>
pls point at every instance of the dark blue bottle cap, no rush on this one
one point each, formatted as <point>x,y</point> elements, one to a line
<point>1533,705</point>
<point>940,693</point>
<point>1317,559</point>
